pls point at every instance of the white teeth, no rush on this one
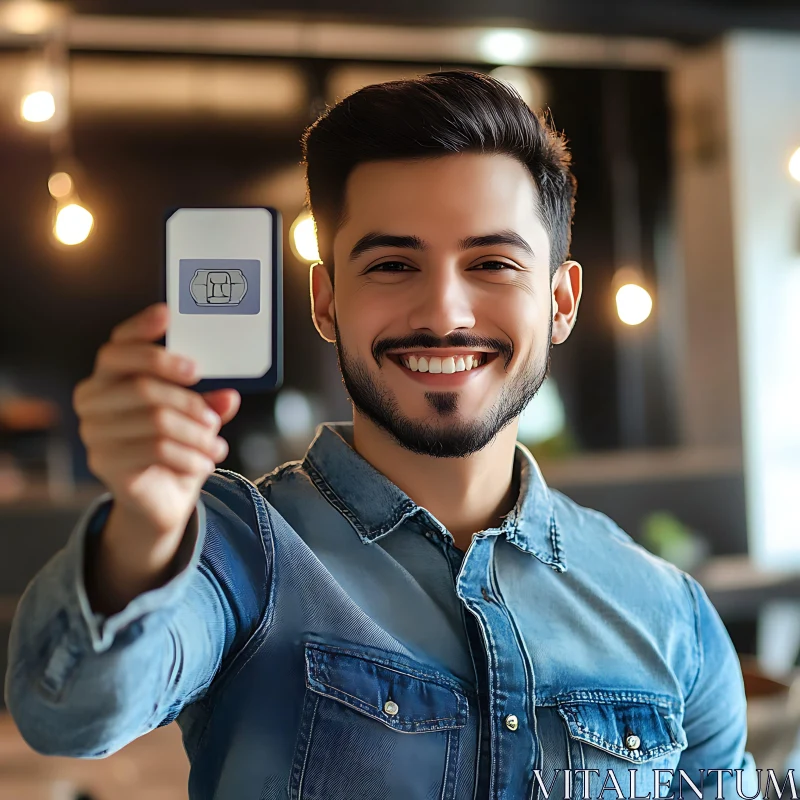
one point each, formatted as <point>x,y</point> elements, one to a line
<point>446,366</point>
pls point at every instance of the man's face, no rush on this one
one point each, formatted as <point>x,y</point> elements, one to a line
<point>441,263</point>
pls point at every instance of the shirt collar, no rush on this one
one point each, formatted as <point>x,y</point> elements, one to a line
<point>375,506</point>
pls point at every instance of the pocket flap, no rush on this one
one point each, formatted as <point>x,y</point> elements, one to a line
<point>408,699</point>
<point>631,725</point>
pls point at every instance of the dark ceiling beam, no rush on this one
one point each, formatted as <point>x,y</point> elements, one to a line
<point>342,40</point>
<point>683,20</point>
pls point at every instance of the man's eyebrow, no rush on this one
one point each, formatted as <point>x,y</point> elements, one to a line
<point>376,239</point>
<point>501,237</point>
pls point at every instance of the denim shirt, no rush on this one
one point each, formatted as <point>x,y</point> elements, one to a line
<point>323,638</point>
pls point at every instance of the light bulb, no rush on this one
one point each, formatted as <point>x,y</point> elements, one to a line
<point>507,46</point>
<point>73,224</point>
<point>304,237</point>
<point>29,17</point>
<point>634,304</point>
<point>794,165</point>
<point>38,106</point>
<point>59,184</point>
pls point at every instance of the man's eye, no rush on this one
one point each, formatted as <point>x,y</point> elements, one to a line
<point>389,266</point>
<point>493,266</point>
<point>399,266</point>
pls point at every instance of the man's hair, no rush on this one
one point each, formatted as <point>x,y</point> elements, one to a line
<point>435,115</point>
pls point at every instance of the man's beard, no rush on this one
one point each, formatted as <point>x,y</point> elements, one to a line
<point>459,438</point>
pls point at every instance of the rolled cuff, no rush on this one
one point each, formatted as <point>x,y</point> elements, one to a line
<point>102,629</point>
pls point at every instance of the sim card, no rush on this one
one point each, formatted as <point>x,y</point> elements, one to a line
<point>223,287</point>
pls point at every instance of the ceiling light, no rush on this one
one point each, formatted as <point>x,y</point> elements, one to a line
<point>38,106</point>
<point>508,46</point>
<point>60,185</point>
<point>73,224</point>
<point>29,17</point>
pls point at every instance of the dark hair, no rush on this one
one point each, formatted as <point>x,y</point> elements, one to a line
<point>429,116</point>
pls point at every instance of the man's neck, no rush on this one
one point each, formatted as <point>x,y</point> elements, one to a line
<point>466,495</point>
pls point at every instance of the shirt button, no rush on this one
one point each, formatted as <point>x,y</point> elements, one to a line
<point>512,723</point>
<point>390,707</point>
<point>632,741</point>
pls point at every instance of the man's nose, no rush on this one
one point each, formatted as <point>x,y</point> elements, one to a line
<point>445,303</point>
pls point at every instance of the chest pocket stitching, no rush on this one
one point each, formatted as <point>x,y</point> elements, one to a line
<point>336,692</point>
<point>667,736</point>
<point>599,695</point>
<point>452,704</point>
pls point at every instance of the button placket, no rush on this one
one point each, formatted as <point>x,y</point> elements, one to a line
<point>512,735</point>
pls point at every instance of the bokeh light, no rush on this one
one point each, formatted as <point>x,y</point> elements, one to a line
<point>73,224</point>
<point>294,414</point>
<point>38,106</point>
<point>507,46</point>
<point>544,417</point>
<point>29,17</point>
<point>59,185</point>
<point>303,237</point>
<point>794,165</point>
<point>634,304</point>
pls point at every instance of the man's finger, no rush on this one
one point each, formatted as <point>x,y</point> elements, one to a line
<point>224,402</point>
<point>114,360</point>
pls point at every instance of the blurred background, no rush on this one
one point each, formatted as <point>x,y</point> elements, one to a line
<point>673,407</point>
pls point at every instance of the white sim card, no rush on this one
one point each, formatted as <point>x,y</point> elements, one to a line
<point>223,287</point>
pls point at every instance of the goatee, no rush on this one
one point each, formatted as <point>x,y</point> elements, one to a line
<point>449,435</point>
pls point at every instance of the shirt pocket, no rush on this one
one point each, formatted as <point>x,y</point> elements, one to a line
<point>372,727</point>
<point>630,734</point>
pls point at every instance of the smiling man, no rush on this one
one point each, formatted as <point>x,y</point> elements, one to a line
<point>446,300</point>
<point>408,612</point>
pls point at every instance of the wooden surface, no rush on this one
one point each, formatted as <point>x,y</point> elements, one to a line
<point>153,767</point>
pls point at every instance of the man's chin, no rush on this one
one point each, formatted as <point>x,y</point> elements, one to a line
<point>438,438</point>
<point>438,420</point>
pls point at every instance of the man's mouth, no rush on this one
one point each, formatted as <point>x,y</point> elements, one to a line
<point>442,364</point>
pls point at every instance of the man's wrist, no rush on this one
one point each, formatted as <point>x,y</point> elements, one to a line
<point>121,561</point>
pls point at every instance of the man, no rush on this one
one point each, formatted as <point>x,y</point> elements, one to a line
<point>409,611</point>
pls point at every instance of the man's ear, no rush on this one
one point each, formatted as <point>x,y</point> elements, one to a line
<point>322,309</point>
<point>567,289</point>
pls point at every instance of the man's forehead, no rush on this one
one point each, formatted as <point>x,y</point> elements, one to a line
<point>486,170</point>
<point>446,199</point>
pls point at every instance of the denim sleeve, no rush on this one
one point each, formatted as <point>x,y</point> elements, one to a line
<point>715,718</point>
<point>84,685</point>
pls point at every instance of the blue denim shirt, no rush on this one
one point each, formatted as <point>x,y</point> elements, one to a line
<point>324,639</point>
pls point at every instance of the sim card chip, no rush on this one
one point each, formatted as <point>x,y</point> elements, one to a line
<point>219,286</point>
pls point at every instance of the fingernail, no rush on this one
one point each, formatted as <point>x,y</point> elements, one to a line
<point>186,367</point>
<point>211,417</point>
